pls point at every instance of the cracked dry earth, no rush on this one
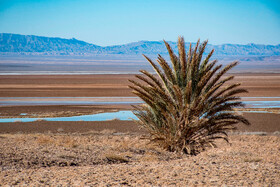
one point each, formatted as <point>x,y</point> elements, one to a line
<point>116,159</point>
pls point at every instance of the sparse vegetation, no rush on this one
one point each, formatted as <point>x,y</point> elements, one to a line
<point>252,160</point>
<point>113,158</point>
<point>187,106</point>
<point>28,158</point>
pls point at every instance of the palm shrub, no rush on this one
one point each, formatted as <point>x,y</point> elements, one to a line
<point>187,106</point>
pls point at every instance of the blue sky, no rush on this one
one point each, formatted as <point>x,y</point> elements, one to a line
<point>112,22</point>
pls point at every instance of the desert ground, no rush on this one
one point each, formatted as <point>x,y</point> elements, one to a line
<point>116,153</point>
<point>258,85</point>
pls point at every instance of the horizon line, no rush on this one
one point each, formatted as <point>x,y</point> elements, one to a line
<point>135,41</point>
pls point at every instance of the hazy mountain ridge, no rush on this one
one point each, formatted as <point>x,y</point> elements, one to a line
<point>30,44</point>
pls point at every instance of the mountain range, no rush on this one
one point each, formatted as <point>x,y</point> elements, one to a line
<point>39,45</point>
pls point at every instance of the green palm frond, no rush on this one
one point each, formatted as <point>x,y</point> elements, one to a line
<point>188,105</point>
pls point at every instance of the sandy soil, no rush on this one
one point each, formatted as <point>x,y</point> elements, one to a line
<point>64,86</point>
<point>108,159</point>
<point>261,85</point>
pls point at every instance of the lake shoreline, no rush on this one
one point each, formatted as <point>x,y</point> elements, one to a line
<point>260,122</point>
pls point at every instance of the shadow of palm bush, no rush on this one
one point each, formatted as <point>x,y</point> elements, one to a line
<point>187,106</point>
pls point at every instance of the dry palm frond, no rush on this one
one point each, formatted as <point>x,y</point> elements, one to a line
<point>187,105</point>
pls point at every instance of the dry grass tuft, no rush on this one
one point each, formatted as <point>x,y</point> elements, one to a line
<point>114,158</point>
<point>62,141</point>
<point>149,157</point>
<point>252,160</point>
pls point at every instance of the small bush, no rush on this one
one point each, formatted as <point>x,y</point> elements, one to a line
<point>187,106</point>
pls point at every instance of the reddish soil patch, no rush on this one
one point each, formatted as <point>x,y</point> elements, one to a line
<point>261,85</point>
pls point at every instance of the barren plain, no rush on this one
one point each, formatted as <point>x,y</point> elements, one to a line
<point>116,153</point>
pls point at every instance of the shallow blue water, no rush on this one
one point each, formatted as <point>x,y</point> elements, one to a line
<point>255,111</point>
<point>262,104</point>
<point>260,97</point>
<point>69,97</point>
<point>10,101</point>
<point>66,72</point>
<point>121,115</point>
<point>14,101</point>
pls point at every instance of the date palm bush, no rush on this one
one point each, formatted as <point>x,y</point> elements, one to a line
<point>187,105</point>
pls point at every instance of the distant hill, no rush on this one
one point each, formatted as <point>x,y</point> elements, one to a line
<point>47,45</point>
<point>29,44</point>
